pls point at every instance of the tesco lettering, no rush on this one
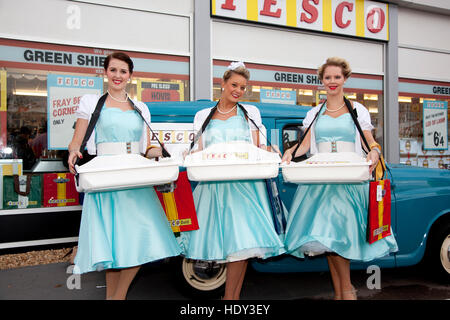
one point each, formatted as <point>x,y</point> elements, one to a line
<point>339,16</point>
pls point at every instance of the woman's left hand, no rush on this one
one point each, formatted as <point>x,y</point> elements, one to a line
<point>155,152</point>
<point>374,157</point>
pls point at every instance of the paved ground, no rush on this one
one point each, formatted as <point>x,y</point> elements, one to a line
<point>155,292</point>
<point>158,282</point>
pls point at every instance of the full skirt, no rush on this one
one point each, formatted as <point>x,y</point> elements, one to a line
<point>122,229</point>
<point>235,223</point>
<point>333,218</point>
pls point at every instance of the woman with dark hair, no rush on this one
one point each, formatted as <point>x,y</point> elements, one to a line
<point>120,230</point>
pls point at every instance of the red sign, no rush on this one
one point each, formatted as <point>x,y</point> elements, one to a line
<point>159,91</point>
<point>153,95</point>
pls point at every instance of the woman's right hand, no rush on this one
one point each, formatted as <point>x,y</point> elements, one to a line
<point>73,155</point>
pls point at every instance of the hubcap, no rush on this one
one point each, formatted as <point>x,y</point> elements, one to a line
<point>204,275</point>
<point>445,254</point>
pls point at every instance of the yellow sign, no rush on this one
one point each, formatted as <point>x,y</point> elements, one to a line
<point>360,18</point>
<point>2,90</point>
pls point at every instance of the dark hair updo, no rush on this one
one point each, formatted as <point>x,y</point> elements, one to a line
<point>119,56</point>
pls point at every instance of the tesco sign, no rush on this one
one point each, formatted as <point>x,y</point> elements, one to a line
<point>360,18</point>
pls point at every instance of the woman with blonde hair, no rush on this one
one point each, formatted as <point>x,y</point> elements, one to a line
<point>234,216</point>
<point>332,218</point>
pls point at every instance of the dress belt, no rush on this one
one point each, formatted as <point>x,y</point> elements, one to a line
<point>336,146</point>
<point>110,148</point>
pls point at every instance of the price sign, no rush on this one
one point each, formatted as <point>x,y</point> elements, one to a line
<point>64,95</point>
<point>435,135</point>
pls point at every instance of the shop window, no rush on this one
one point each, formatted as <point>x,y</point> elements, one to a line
<point>26,111</point>
<point>26,125</point>
<point>411,133</point>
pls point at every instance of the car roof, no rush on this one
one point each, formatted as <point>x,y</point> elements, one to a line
<point>190,108</point>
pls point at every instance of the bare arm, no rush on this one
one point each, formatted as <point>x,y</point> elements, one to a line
<point>373,154</point>
<point>77,139</point>
<point>303,149</point>
<point>199,144</point>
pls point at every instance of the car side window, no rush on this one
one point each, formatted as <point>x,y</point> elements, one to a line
<point>291,133</point>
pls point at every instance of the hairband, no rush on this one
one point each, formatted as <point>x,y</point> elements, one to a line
<point>235,65</point>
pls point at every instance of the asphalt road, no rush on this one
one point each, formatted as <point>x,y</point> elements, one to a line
<point>158,281</point>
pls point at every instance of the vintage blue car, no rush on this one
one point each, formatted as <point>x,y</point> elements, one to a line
<point>420,211</point>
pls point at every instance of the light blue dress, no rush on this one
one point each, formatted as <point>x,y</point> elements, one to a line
<point>126,228</point>
<point>333,217</point>
<point>235,219</point>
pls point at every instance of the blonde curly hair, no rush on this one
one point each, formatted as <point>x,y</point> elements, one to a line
<point>240,71</point>
<point>338,62</point>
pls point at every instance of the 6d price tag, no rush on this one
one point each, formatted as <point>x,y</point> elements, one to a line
<point>435,135</point>
<point>438,139</point>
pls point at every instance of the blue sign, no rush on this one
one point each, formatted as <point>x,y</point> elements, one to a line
<point>278,96</point>
<point>435,134</point>
<point>64,94</point>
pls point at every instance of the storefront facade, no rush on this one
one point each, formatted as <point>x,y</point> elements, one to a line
<point>45,68</point>
<point>390,53</point>
<point>181,49</point>
<point>424,89</point>
<point>284,43</point>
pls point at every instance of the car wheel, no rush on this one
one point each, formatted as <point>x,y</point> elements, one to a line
<point>203,279</point>
<point>445,254</point>
<point>438,255</point>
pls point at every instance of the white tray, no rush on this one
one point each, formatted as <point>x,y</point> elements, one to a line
<point>342,167</point>
<point>118,172</point>
<point>232,161</point>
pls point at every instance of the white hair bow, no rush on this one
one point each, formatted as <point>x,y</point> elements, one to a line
<point>235,65</point>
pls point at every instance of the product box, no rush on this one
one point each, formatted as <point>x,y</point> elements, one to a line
<point>178,204</point>
<point>428,162</point>
<point>22,191</point>
<point>427,153</point>
<point>11,166</point>
<point>410,161</point>
<point>442,162</point>
<point>59,190</point>
<point>445,152</point>
<point>8,167</point>
<point>421,152</point>
<point>408,146</point>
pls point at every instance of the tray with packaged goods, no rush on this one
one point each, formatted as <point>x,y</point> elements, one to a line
<point>125,171</point>
<point>232,161</point>
<point>334,167</point>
